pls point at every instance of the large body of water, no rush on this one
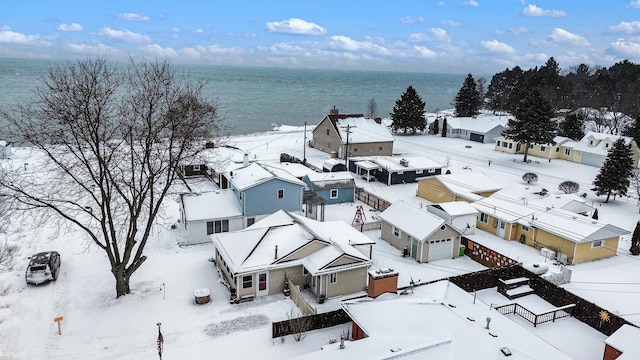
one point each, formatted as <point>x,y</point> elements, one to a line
<point>253,99</point>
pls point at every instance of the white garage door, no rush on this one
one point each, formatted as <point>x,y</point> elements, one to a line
<point>593,160</point>
<point>440,249</point>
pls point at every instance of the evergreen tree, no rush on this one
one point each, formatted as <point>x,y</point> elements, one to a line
<point>436,127</point>
<point>634,131</point>
<point>616,171</point>
<point>468,100</point>
<point>595,215</point>
<point>444,127</point>
<point>408,113</point>
<point>533,124</point>
<point>572,127</point>
<point>635,241</point>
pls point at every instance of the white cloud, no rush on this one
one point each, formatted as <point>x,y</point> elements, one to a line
<point>635,4</point>
<point>91,49</point>
<point>626,27</point>
<point>346,43</point>
<point>199,31</point>
<point>498,47</point>
<point>425,52</point>
<point>440,34</point>
<point>11,37</point>
<point>436,34</point>
<point>124,35</point>
<point>295,26</point>
<point>413,20</point>
<point>626,48</point>
<point>532,10</point>
<point>513,31</point>
<point>158,51</point>
<point>175,30</point>
<point>471,3</point>
<point>132,17</point>
<point>454,23</point>
<point>5,28</point>
<point>563,37</point>
<point>70,27</point>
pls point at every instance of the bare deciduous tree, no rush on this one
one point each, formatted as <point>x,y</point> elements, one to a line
<point>108,141</point>
<point>299,325</point>
<point>372,108</point>
<point>569,187</point>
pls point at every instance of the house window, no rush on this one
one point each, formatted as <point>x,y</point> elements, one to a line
<point>590,142</point>
<point>380,148</point>
<point>498,143</point>
<point>305,271</point>
<point>251,221</point>
<point>530,146</point>
<point>484,218</point>
<point>525,228</point>
<point>597,244</point>
<point>567,151</point>
<point>543,148</point>
<point>333,278</point>
<point>329,144</point>
<point>247,282</point>
<point>196,167</point>
<point>510,145</point>
<point>333,194</point>
<point>504,144</point>
<point>313,281</point>
<point>327,132</point>
<point>280,193</point>
<point>396,231</point>
<point>418,171</point>
<point>431,171</point>
<point>606,145</point>
<point>355,149</point>
<point>218,226</point>
<point>557,149</point>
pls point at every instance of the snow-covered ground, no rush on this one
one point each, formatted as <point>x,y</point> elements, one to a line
<point>96,325</point>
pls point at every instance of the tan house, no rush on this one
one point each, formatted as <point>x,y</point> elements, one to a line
<point>591,150</point>
<point>468,186</point>
<point>352,134</point>
<point>572,237</point>
<point>418,233</point>
<point>321,256</point>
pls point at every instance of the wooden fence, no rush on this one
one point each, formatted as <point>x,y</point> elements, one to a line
<point>372,200</point>
<point>368,226</point>
<point>312,322</point>
<point>298,299</point>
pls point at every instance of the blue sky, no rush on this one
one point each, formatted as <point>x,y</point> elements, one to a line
<point>466,36</point>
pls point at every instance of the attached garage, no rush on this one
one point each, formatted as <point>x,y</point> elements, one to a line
<point>440,249</point>
<point>476,137</point>
<point>592,160</point>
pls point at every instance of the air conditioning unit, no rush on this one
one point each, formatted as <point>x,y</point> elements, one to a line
<point>404,162</point>
<point>562,258</point>
<point>548,253</point>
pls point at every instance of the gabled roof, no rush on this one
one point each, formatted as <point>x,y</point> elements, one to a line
<point>600,140</point>
<point>333,180</point>
<point>480,124</point>
<point>255,174</point>
<point>456,208</point>
<point>468,183</point>
<point>254,248</point>
<point>219,204</point>
<point>361,130</point>
<point>574,227</point>
<point>414,221</point>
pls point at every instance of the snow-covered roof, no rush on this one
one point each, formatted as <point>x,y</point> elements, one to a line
<point>472,182</point>
<point>456,208</point>
<point>625,340</point>
<point>444,323</point>
<point>211,205</point>
<point>363,130</point>
<point>338,179</point>
<point>600,141</point>
<point>367,165</point>
<point>481,123</point>
<point>296,169</point>
<point>416,222</point>
<point>256,173</point>
<point>574,227</point>
<point>507,210</point>
<point>263,244</point>
<point>394,163</point>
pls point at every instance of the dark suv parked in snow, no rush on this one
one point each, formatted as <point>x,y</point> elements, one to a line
<point>44,266</point>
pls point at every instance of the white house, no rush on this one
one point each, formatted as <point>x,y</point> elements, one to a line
<point>209,213</point>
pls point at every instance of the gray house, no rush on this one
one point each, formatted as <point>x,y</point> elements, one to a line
<point>481,128</point>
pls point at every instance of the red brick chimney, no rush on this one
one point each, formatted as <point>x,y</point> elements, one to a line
<point>382,281</point>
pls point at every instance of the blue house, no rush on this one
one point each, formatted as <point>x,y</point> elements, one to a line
<point>334,187</point>
<point>262,190</point>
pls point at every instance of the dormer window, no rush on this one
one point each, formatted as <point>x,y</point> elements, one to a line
<point>590,142</point>
<point>606,145</point>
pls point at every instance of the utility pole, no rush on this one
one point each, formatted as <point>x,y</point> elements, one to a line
<point>346,153</point>
<point>304,145</point>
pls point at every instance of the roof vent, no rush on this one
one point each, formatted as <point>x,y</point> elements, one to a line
<point>404,162</point>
